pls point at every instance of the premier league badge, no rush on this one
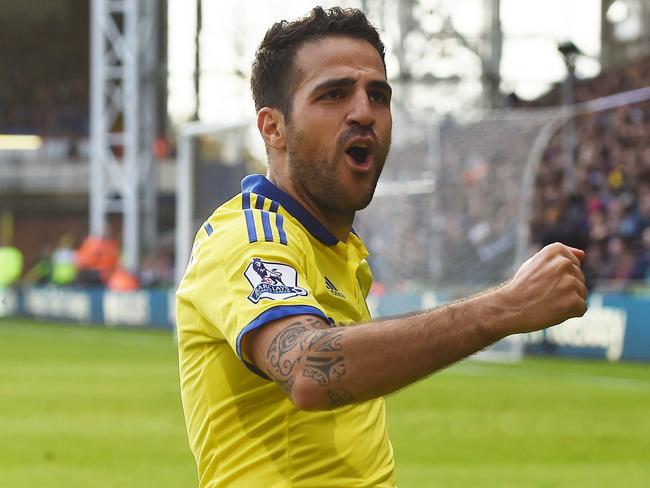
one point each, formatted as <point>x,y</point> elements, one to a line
<point>275,281</point>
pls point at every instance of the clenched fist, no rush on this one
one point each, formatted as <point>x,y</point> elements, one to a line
<point>548,289</point>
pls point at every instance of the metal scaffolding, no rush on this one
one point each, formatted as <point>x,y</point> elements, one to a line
<point>124,63</point>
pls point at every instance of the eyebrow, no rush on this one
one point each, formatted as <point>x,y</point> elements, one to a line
<point>345,82</point>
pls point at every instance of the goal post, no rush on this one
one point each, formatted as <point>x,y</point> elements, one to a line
<point>206,152</point>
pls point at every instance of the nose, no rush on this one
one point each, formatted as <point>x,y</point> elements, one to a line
<point>360,111</point>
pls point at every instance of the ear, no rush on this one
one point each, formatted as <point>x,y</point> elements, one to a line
<point>270,122</point>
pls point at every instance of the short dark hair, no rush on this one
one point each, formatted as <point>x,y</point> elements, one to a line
<point>272,78</point>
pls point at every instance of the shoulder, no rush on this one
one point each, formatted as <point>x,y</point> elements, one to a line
<point>248,224</point>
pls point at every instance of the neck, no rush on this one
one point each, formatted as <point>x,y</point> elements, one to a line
<point>339,225</point>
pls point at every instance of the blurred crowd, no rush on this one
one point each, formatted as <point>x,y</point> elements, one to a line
<point>605,209</point>
<point>94,262</point>
<point>467,232</point>
<point>48,95</point>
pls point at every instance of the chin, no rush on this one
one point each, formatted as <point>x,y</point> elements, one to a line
<point>358,203</point>
<point>366,197</point>
<point>364,203</point>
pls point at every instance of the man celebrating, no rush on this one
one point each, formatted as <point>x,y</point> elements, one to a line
<point>283,371</point>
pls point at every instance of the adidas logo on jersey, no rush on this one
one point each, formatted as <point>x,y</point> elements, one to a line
<point>333,290</point>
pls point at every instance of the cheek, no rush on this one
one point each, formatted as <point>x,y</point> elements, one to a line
<point>322,121</point>
<point>386,125</point>
<point>320,141</point>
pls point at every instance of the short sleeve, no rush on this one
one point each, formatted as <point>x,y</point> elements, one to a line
<point>239,290</point>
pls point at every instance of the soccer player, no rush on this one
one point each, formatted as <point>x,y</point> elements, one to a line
<point>283,371</point>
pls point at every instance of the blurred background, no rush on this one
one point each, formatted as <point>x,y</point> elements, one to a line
<point>517,123</point>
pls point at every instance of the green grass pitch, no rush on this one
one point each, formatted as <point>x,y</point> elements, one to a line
<point>96,407</point>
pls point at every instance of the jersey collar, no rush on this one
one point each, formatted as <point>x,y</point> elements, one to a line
<point>260,185</point>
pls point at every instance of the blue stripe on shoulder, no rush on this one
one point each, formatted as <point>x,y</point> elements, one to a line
<point>266,224</point>
<point>278,223</point>
<point>208,228</point>
<point>274,206</point>
<point>248,213</point>
<point>259,202</point>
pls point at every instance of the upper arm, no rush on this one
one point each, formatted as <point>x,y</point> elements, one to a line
<point>303,355</point>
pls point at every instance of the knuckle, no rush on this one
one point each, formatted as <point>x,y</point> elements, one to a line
<point>566,265</point>
<point>579,306</point>
<point>568,283</point>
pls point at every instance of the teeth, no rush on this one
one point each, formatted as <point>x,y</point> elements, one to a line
<point>361,144</point>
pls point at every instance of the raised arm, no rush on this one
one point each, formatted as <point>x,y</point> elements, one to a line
<point>321,367</point>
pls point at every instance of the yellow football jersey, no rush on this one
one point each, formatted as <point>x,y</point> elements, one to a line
<point>259,257</point>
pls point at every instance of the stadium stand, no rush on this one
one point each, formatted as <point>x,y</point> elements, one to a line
<point>48,95</point>
<point>607,210</point>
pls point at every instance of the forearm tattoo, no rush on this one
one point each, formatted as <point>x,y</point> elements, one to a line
<point>309,345</point>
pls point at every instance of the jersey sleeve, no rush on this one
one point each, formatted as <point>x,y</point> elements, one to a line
<point>243,287</point>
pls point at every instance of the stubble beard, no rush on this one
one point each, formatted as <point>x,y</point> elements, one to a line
<point>319,180</point>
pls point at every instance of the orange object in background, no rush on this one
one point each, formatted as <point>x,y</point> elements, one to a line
<point>122,280</point>
<point>98,255</point>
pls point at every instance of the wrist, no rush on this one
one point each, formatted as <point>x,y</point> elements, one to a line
<point>506,310</point>
<point>499,315</point>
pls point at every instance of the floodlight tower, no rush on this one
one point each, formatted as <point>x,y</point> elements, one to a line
<point>124,73</point>
<point>570,53</point>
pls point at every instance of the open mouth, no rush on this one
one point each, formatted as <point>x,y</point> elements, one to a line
<point>359,153</point>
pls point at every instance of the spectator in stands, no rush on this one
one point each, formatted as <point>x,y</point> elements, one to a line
<point>122,280</point>
<point>96,259</point>
<point>641,268</point>
<point>64,270</point>
<point>11,264</point>
<point>157,269</point>
<point>41,272</point>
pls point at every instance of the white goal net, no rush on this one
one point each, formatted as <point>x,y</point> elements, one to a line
<point>447,211</point>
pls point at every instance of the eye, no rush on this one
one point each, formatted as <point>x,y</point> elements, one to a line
<point>332,95</point>
<point>378,97</point>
